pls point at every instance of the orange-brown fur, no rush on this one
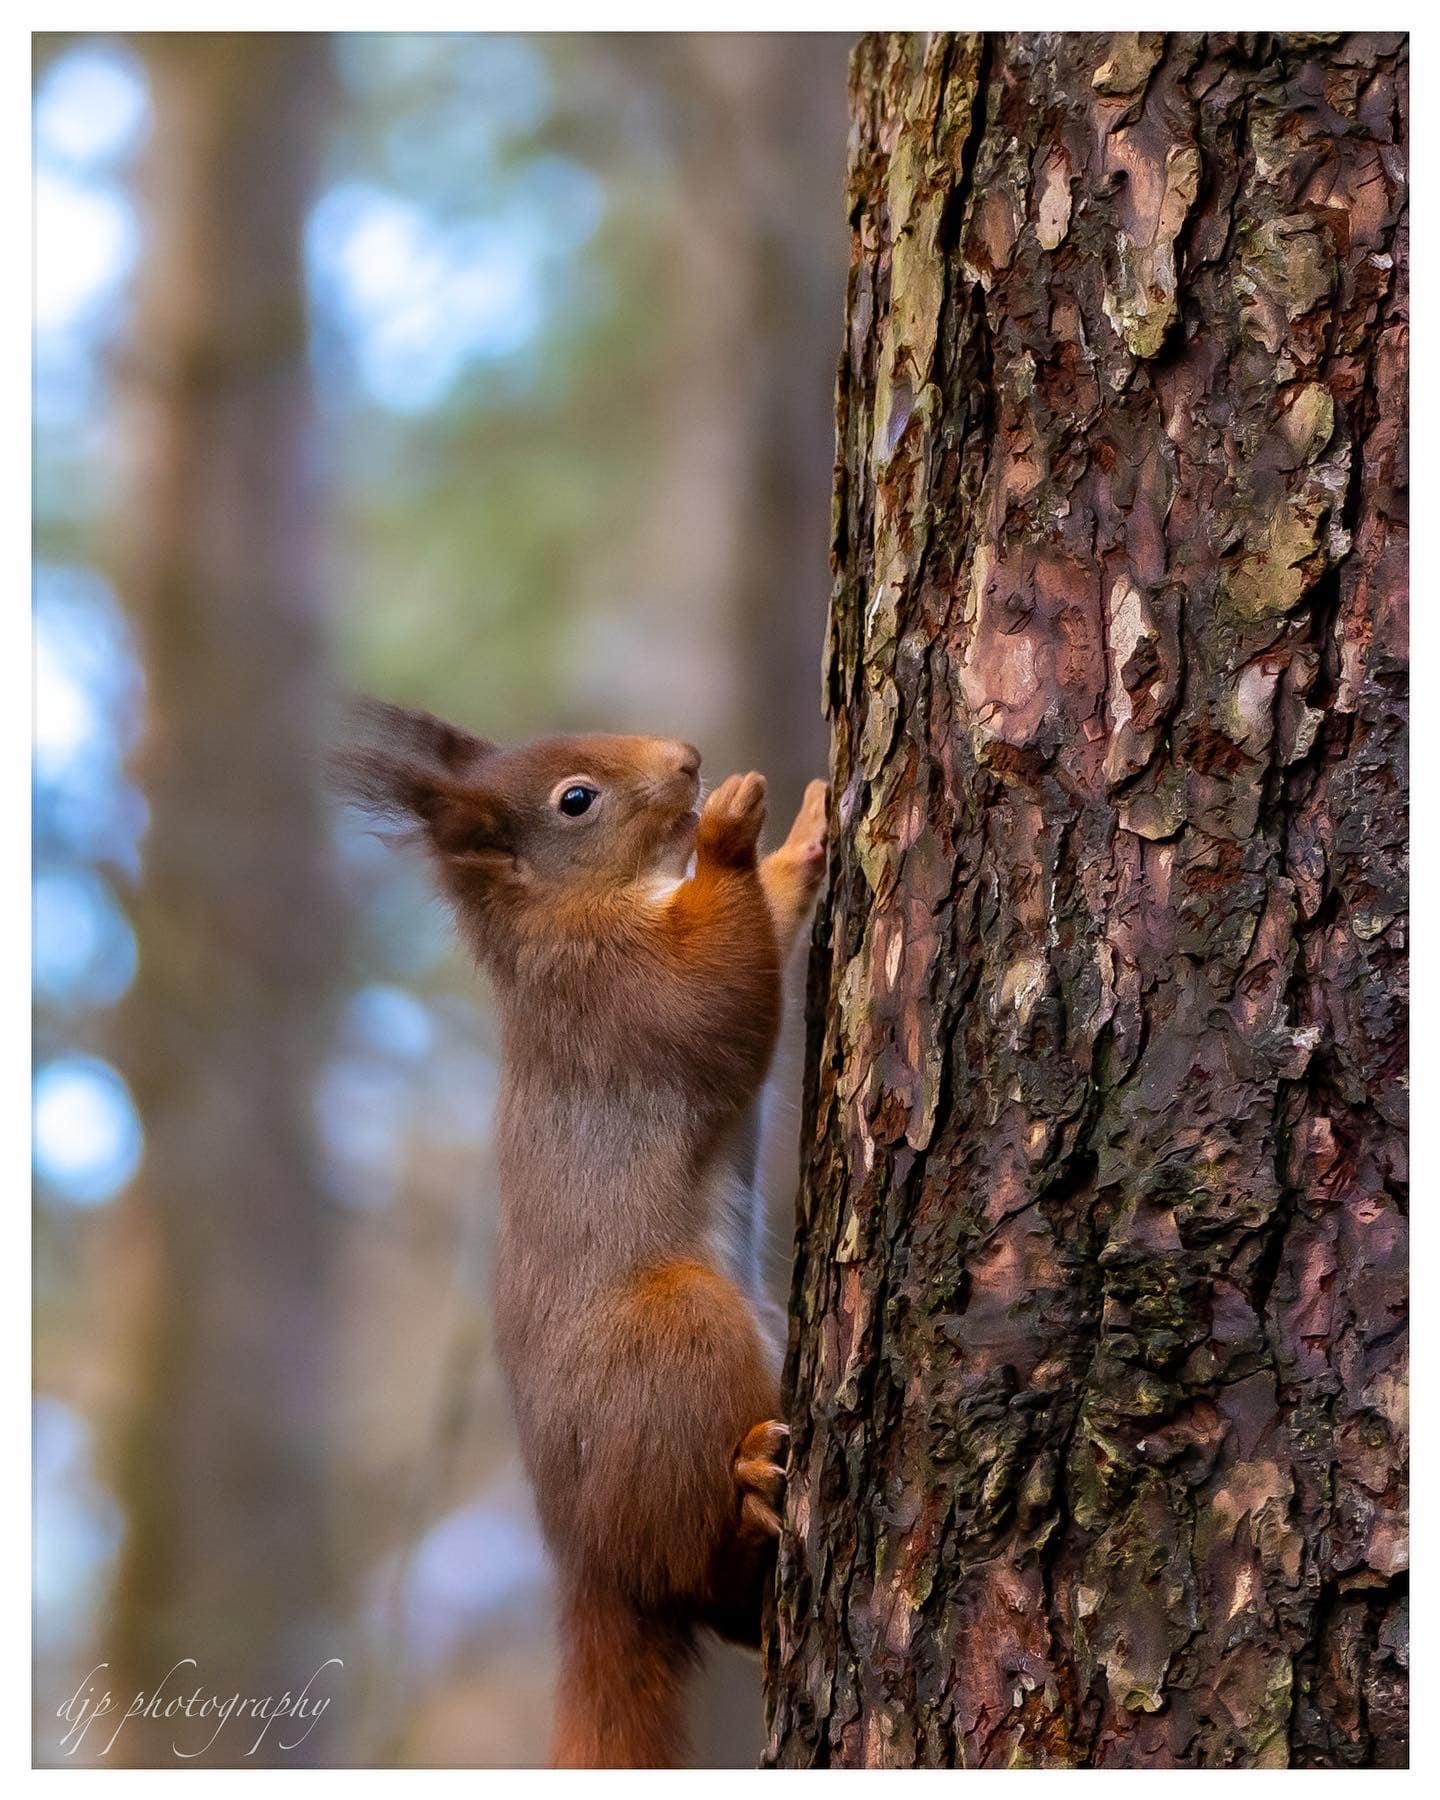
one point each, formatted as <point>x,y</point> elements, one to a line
<point>639,1014</point>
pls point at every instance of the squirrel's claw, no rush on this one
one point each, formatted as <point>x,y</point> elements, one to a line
<point>759,1478</point>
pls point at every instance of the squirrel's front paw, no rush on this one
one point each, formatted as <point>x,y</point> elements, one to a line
<point>805,846</point>
<point>760,1479</point>
<point>731,820</point>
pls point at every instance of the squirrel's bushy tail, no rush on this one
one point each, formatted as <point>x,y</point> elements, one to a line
<point>624,1677</point>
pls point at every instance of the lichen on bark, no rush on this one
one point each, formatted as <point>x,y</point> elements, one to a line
<point>1097,1366</point>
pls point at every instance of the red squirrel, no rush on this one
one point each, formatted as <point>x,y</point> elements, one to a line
<point>639,1007</point>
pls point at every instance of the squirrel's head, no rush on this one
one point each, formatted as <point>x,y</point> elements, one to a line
<point>559,818</point>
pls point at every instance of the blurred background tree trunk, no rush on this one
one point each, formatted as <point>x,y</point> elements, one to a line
<point>218,555</point>
<point>728,557</point>
<point>739,519</point>
<point>1098,1357</point>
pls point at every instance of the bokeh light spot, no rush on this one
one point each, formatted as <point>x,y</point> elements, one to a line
<point>83,947</point>
<point>77,1526</point>
<point>87,1133</point>
<point>91,107</point>
<point>85,246</point>
<point>390,1020</point>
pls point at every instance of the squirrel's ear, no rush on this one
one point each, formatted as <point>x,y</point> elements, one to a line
<point>396,762</point>
<point>415,770</point>
<point>472,829</point>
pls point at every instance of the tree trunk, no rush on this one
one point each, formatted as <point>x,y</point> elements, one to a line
<point>220,1459</point>
<point>1098,1355</point>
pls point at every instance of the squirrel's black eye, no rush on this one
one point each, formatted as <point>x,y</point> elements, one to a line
<point>576,800</point>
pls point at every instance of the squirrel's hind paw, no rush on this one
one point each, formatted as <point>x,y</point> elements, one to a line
<point>760,1479</point>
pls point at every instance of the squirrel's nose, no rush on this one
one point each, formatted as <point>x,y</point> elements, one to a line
<point>687,759</point>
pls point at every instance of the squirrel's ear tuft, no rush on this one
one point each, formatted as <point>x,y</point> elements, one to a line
<point>419,736</point>
<point>399,763</point>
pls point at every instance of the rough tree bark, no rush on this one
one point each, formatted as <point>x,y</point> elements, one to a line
<point>220,1466</point>
<point>1097,1364</point>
